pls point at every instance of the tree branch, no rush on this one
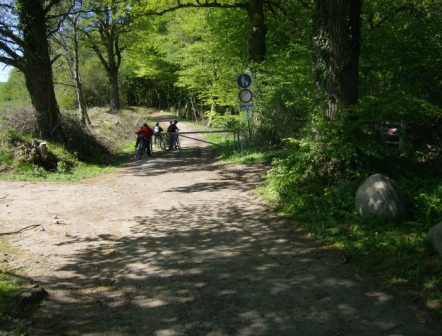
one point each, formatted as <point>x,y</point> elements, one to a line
<point>402,8</point>
<point>198,4</point>
<point>19,231</point>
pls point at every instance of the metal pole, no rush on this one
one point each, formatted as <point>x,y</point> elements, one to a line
<point>234,140</point>
<point>250,133</point>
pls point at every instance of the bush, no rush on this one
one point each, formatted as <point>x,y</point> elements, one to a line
<point>79,140</point>
<point>316,183</point>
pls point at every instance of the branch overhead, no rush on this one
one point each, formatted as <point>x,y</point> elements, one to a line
<point>197,4</point>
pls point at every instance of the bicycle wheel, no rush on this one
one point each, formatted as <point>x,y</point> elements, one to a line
<point>170,142</point>
<point>140,150</point>
<point>149,149</point>
<point>162,142</point>
<point>177,143</point>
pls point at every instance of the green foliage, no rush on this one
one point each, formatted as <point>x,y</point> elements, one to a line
<point>65,92</point>
<point>14,92</point>
<point>21,161</point>
<point>204,48</point>
<point>384,250</point>
<point>226,121</point>
<point>401,68</point>
<point>88,152</point>
<point>284,95</point>
<point>62,167</point>
<point>17,159</point>
<point>323,201</point>
<point>401,44</point>
<point>283,88</point>
<point>95,83</point>
<point>8,285</point>
<point>426,200</point>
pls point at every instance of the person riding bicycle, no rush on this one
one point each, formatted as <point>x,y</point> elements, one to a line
<point>157,129</point>
<point>172,129</point>
<point>145,135</point>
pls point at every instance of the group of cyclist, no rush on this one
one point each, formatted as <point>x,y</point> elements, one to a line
<point>145,134</point>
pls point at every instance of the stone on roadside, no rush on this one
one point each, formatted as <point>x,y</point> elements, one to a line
<point>381,198</point>
<point>435,237</point>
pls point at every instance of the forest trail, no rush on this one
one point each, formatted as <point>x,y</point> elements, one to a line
<point>178,244</point>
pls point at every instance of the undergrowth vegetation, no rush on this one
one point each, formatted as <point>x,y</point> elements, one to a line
<point>85,151</point>
<point>314,178</point>
<point>9,284</point>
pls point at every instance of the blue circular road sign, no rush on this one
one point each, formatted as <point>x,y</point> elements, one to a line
<point>244,81</point>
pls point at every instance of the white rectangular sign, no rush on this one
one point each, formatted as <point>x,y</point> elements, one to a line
<point>246,107</point>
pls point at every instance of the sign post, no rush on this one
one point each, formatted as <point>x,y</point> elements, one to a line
<point>245,97</point>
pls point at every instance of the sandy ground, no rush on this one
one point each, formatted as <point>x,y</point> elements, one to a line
<point>178,244</point>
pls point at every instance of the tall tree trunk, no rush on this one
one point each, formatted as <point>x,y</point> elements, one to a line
<point>159,100</point>
<point>82,105</point>
<point>256,46</point>
<point>337,26</point>
<point>107,48</point>
<point>114,92</point>
<point>37,67</point>
<point>113,65</point>
<point>81,98</point>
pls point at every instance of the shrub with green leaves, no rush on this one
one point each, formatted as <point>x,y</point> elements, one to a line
<point>7,287</point>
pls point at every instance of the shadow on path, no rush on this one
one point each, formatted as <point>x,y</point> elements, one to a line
<point>224,266</point>
<point>216,269</point>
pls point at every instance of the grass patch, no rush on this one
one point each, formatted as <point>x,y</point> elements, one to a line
<point>9,284</point>
<point>100,148</point>
<point>399,254</point>
<point>232,151</point>
<point>323,201</point>
<point>19,162</point>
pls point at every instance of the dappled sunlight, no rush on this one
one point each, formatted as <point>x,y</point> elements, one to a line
<point>179,245</point>
<point>345,309</point>
<point>212,270</point>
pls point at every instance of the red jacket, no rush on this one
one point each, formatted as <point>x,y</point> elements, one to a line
<point>146,132</point>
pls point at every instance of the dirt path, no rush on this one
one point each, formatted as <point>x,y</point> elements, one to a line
<point>177,244</point>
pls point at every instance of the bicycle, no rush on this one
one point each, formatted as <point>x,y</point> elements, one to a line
<point>143,148</point>
<point>173,141</point>
<point>162,141</point>
<point>177,142</point>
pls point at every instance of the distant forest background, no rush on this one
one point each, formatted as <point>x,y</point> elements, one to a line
<point>358,63</point>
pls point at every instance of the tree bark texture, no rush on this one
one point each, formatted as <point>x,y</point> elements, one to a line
<point>78,82</point>
<point>114,91</point>
<point>37,68</point>
<point>113,66</point>
<point>336,47</point>
<point>256,46</point>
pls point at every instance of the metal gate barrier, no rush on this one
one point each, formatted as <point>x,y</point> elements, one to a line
<point>237,144</point>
